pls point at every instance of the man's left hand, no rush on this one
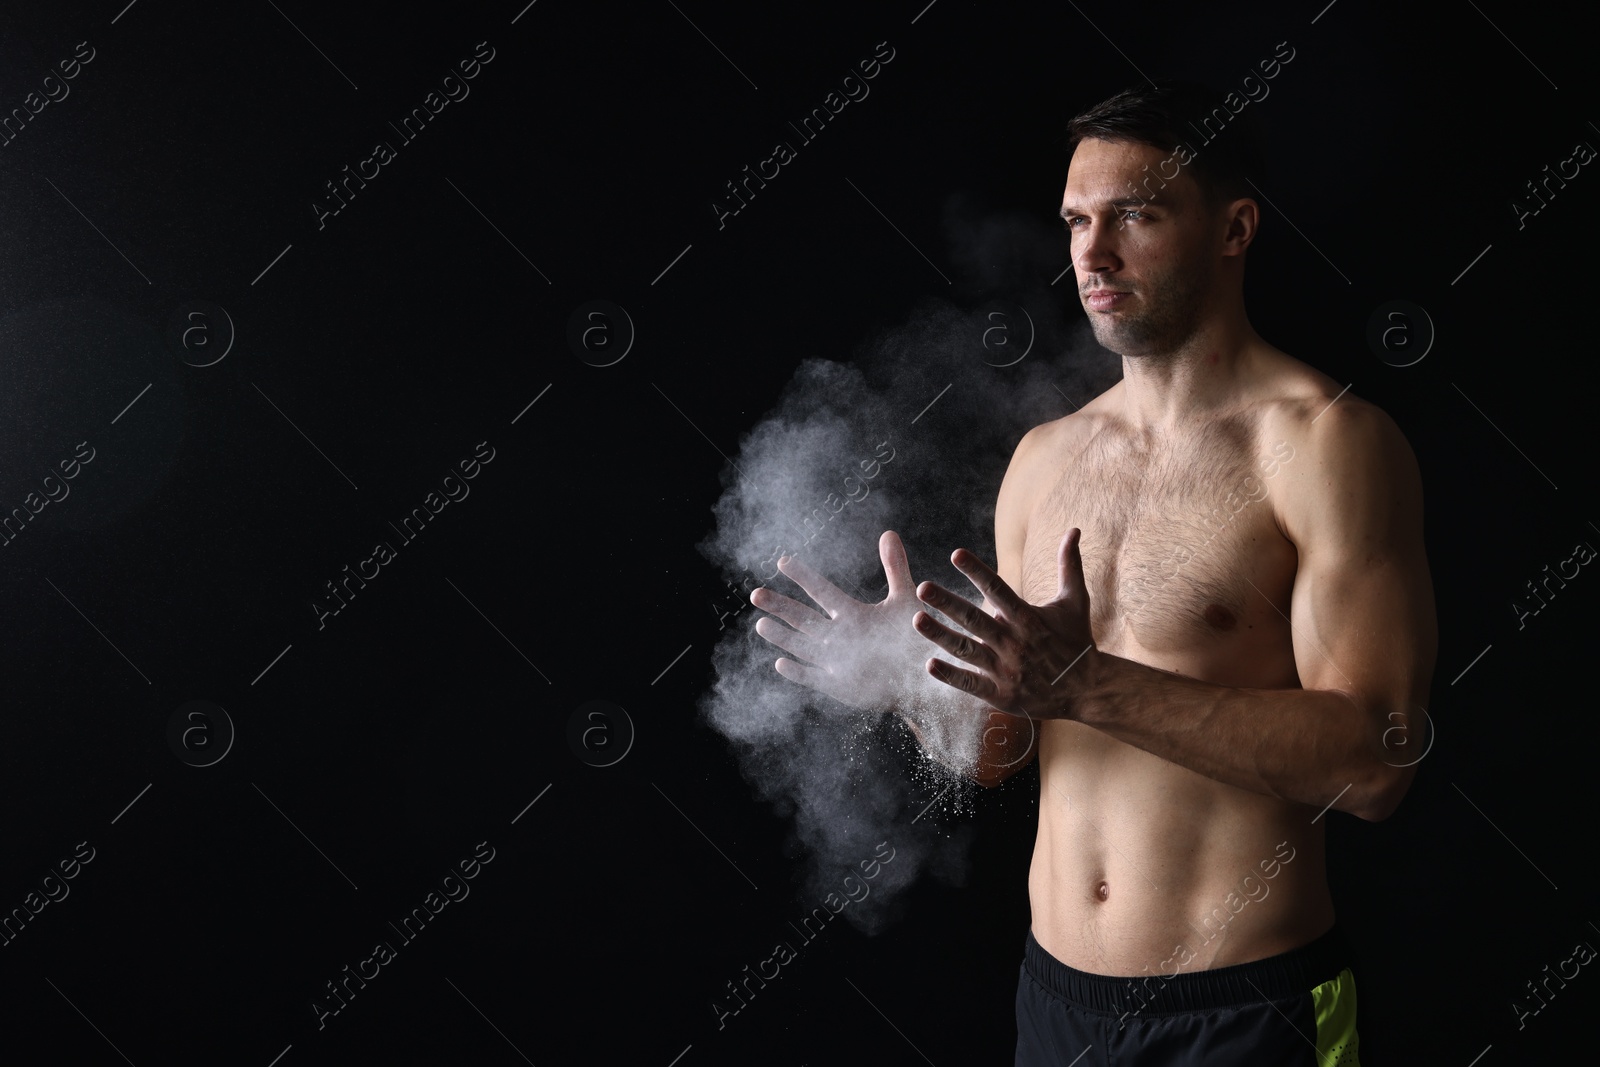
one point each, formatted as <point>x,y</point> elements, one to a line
<point>1028,660</point>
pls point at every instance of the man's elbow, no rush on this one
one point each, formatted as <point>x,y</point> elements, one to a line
<point>1384,793</point>
<point>1383,773</point>
<point>990,772</point>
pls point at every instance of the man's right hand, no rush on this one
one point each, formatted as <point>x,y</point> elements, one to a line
<point>871,657</point>
<point>867,656</point>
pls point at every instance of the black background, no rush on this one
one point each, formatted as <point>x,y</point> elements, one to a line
<point>428,714</point>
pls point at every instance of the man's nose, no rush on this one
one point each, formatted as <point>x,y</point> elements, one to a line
<point>1097,249</point>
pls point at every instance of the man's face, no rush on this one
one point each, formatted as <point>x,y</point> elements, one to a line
<point>1130,235</point>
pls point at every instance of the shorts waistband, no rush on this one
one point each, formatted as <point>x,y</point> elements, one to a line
<point>1285,975</point>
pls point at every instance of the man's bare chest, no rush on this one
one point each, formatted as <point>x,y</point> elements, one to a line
<point>1180,545</point>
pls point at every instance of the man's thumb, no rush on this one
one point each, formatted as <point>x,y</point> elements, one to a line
<point>896,567</point>
<point>1071,565</point>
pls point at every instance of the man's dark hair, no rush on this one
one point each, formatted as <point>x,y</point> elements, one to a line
<point>1225,147</point>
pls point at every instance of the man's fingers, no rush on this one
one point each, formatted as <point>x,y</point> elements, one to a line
<point>955,677</point>
<point>802,617</point>
<point>977,621</point>
<point>792,641</point>
<point>831,597</point>
<point>896,567</point>
<point>990,584</point>
<point>958,645</point>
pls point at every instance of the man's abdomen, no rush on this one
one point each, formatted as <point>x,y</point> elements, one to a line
<point>1144,867</point>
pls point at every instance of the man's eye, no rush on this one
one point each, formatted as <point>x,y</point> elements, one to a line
<point>1133,211</point>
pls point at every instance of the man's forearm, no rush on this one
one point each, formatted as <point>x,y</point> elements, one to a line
<point>1314,747</point>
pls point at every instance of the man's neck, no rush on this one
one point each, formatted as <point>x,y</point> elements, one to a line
<point>1173,390</point>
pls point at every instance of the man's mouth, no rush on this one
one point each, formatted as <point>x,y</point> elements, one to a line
<point>1101,299</point>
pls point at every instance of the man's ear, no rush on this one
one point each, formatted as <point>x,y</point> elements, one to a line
<point>1243,220</point>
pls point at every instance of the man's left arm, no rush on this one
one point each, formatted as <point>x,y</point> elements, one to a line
<point>1362,623</point>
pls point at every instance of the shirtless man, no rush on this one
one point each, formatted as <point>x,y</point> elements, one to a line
<point>1212,622</point>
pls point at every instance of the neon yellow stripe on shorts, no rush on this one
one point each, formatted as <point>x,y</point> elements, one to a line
<point>1334,1002</point>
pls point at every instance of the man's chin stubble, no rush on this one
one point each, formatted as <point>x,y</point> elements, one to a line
<point>1134,343</point>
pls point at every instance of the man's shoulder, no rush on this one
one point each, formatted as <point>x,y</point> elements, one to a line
<point>1332,447</point>
<point>1041,453</point>
<point>1071,431</point>
<point>1307,410</point>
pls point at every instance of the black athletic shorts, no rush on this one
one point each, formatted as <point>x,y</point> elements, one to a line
<point>1297,1008</point>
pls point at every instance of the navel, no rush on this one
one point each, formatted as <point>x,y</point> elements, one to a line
<point>1102,891</point>
<point>1220,617</point>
